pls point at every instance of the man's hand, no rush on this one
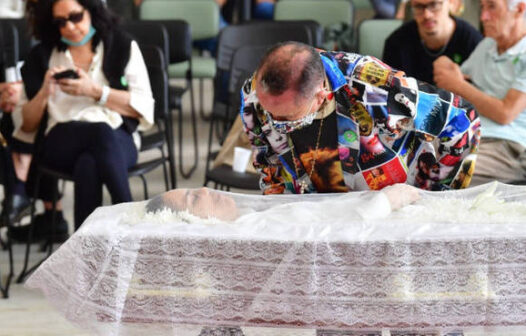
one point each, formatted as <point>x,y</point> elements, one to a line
<point>446,74</point>
<point>400,195</point>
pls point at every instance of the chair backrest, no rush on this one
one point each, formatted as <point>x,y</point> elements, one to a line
<point>313,27</point>
<point>325,12</point>
<point>8,48</point>
<point>156,65</point>
<point>372,35</point>
<point>244,63</point>
<point>180,39</point>
<point>203,16</point>
<point>149,33</point>
<point>234,37</point>
<point>25,41</point>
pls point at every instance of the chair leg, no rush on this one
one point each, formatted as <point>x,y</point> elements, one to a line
<point>193,167</point>
<point>53,221</point>
<point>209,146</point>
<point>4,289</point>
<point>165,171</point>
<point>202,101</point>
<point>170,147</point>
<point>49,244</point>
<point>145,186</point>
<point>25,271</point>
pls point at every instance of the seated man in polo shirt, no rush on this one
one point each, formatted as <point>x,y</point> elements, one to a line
<point>494,80</point>
<point>417,44</point>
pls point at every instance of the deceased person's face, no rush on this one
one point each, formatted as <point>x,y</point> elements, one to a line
<point>203,203</point>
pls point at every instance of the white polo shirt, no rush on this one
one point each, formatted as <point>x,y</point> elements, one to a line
<point>495,75</point>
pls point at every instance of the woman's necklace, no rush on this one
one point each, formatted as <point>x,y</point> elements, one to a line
<point>303,184</point>
<point>436,53</point>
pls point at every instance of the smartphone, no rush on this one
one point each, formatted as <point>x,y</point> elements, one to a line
<point>66,74</point>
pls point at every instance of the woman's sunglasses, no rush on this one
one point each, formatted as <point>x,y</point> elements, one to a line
<point>73,18</point>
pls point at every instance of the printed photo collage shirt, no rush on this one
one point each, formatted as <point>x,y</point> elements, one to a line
<point>380,128</point>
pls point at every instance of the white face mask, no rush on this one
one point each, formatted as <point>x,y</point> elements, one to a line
<point>289,126</point>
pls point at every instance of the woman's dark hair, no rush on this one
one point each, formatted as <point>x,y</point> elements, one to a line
<point>40,17</point>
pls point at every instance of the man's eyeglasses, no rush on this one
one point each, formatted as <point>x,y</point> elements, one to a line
<point>73,18</point>
<point>434,6</point>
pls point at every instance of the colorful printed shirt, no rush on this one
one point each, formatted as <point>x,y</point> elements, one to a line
<point>379,128</point>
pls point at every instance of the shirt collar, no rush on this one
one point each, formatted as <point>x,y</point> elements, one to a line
<point>517,49</point>
<point>96,57</point>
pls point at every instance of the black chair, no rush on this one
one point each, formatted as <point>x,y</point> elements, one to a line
<point>244,63</point>
<point>232,38</point>
<point>25,41</point>
<point>179,32</point>
<point>155,62</point>
<point>8,58</point>
<point>180,51</point>
<point>155,34</point>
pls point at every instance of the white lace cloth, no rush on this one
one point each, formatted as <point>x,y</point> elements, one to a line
<point>453,260</point>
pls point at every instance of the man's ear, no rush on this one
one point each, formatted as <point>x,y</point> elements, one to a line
<point>521,8</point>
<point>321,95</point>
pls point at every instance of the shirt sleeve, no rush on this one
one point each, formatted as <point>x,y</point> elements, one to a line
<point>443,129</point>
<point>17,120</point>
<point>141,98</point>
<point>519,82</point>
<point>272,174</point>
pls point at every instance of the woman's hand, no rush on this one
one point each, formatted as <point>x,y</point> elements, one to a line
<point>48,85</point>
<point>10,94</point>
<point>82,86</point>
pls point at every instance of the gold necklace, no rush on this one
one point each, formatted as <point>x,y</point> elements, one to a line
<point>303,184</point>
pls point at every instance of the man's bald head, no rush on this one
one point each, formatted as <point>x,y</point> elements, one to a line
<point>290,65</point>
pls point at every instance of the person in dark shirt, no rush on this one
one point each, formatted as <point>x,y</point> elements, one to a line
<point>433,33</point>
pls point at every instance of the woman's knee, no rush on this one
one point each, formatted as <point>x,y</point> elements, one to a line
<point>85,167</point>
<point>103,135</point>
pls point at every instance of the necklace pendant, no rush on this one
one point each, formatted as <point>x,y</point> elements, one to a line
<point>303,187</point>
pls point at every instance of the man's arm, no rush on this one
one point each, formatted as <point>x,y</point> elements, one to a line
<point>447,75</point>
<point>271,181</point>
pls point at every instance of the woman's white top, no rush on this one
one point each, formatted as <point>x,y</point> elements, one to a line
<point>63,107</point>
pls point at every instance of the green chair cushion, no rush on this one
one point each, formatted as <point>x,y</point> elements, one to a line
<point>202,67</point>
<point>373,33</point>
<point>324,12</point>
<point>202,16</point>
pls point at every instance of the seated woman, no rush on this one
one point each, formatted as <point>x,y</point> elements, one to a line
<point>89,119</point>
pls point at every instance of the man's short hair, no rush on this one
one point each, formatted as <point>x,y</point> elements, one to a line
<point>283,68</point>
